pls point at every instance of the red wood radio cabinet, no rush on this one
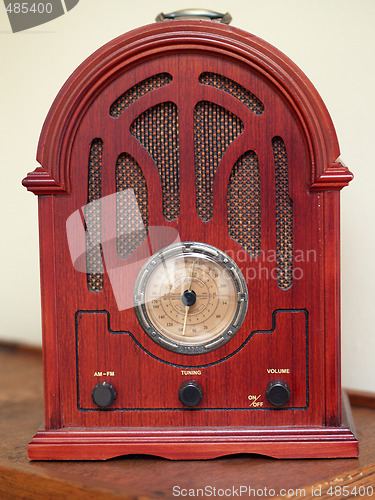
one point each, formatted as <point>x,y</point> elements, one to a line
<point>189,194</point>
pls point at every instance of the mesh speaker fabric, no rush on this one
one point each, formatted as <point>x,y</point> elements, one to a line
<point>131,229</point>
<point>92,213</point>
<point>215,128</point>
<point>139,90</point>
<point>284,216</point>
<point>243,204</point>
<point>235,89</point>
<point>157,130</point>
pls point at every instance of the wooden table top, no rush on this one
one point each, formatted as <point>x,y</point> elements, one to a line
<point>142,477</point>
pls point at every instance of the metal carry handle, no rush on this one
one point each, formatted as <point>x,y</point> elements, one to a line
<point>195,14</point>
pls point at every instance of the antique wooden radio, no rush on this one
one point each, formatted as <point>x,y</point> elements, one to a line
<point>189,194</point>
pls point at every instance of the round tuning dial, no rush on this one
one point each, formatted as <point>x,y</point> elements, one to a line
<point>278,393</point>
<point>104,394</point>
<point>190,393</point>
<point>190,298</point>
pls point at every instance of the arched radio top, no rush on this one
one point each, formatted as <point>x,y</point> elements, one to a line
<point>137,46</point>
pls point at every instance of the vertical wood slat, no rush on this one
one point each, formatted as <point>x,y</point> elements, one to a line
<point>48,252</point>
<point>332,316</point>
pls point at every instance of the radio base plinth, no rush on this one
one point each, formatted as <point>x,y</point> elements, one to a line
<point>196,443</point>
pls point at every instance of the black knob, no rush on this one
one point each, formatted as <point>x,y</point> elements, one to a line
<point>190,393</point>
<point>188,298</point>
<point>104,394</point>
<point>278,393</point>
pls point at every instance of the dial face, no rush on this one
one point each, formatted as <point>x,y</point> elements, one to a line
<point>190,298</point>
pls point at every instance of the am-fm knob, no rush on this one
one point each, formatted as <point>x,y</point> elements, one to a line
<point>278,393</point>
<point>104,394</point>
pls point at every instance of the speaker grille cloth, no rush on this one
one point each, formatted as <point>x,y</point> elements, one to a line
<point>157,130</point>
<point>243,203</point>
<point>139,90</point>
<point>131,230</point>
<point>215,128</point>
<point>235,89</point>
<point>284,216</point>
<point>92,213</point>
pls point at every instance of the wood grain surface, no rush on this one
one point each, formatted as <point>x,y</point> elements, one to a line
<point>141,477</point>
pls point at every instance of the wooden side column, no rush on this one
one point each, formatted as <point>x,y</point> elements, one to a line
<point>331,238</point>
<point>49,326</point>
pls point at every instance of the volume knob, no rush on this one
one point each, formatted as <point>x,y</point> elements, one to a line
<point>278,393</point>
<point>104,394</point>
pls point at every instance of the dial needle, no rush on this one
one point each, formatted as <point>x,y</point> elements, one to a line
<point>188,307</point>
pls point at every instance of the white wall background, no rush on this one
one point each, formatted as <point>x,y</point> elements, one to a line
<point>332,41</point>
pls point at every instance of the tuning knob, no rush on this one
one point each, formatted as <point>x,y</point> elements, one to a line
<point>190,393</point>
<point>104,394</point>
<point>278,393</point>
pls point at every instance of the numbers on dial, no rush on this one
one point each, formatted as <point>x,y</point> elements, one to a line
<point>216,299</point>
<point>189,296</point>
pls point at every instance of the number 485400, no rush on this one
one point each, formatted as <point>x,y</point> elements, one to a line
<point>352,491</point>
<point>25,8</point>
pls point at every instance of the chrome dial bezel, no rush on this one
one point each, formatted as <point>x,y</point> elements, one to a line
<point>189,248</point>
